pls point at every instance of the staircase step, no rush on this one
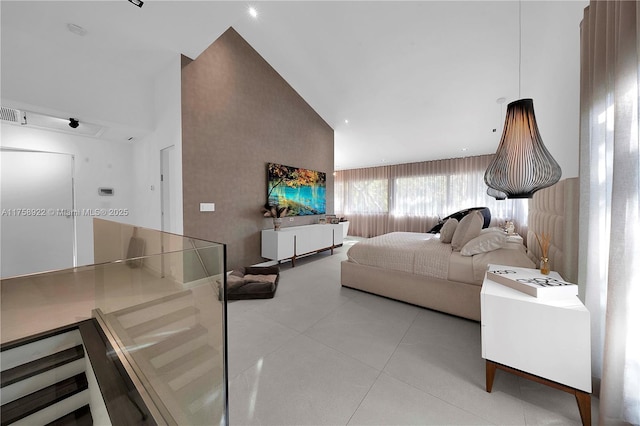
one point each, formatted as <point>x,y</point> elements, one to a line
<point>29,404</point>
<point>80,417</point>
<point>189,364</point>
<point>203,394</point>
<point>41,365</point>
<point>40,345</point>
<point>138,314</point>
<point>177,340</point>
<point>34,383</point>
<point>150,303</point>
<point>55,411</point>
<point>163,321</point>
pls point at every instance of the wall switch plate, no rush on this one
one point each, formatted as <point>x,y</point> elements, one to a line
<point>207,207</point>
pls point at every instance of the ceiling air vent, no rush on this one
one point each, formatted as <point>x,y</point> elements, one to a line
<point>49,122</point>
<point>12,115</point>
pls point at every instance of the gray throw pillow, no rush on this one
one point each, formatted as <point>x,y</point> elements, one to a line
<point>447,230</point>
<point>468,228</point>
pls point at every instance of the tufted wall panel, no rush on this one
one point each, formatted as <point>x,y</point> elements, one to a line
<point>554,211</point>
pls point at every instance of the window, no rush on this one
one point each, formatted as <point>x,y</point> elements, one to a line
<point>428,190</point>
<point>419,195</point>
<point>367,196</point>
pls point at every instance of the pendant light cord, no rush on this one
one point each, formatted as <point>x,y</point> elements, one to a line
<point>519,49</point>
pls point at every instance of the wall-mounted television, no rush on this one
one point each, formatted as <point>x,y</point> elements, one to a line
<point>302,191</point>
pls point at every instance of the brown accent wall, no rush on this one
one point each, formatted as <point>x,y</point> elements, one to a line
<point>238,114</point>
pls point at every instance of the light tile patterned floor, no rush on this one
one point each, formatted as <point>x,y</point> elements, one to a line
<point>320,354</point>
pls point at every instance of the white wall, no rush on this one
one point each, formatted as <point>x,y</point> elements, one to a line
<point>95,89</point>
<point>96,164</point>
<point>551,75</point>
<point>132,169</point>
<point>146,153</point>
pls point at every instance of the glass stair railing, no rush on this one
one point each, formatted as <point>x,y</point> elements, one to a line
<point>159,300</point>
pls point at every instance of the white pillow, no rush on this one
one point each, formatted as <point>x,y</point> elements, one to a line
<point>468,228</point>
<point>447,230</point>
<point>483,243</point>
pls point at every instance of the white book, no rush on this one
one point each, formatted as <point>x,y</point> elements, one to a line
<point>532,282</point>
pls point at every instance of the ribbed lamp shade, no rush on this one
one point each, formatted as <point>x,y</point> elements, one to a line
<point>498,195</point>
<point>522,164</point>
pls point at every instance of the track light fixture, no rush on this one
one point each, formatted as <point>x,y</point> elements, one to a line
<point>138,3</point>
<point>73,123</point>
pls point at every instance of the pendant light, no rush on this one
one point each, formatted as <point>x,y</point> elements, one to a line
<point>522,164</point>
<point>498,195</point>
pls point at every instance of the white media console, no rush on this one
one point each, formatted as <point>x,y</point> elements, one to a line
<point>297,241</point>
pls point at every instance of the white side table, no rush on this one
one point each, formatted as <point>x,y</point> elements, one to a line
<point>547,341</point>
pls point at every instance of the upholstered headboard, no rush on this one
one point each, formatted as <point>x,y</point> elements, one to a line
<point>554,211</point>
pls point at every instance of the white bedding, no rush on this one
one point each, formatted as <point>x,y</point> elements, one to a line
<point>424,254</point>
<point>412,252</point>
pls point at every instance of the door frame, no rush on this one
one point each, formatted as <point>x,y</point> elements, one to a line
<point>170,150</point>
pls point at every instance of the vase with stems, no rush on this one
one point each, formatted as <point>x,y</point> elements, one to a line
<point>544,266</point>
<point>544,240</point>
<point>276,213</point>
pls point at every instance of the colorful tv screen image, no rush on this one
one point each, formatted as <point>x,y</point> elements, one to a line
<point>302,191</point>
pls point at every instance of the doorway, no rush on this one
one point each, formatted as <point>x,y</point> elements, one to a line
<point>37,230</point>
<point>167,169</point>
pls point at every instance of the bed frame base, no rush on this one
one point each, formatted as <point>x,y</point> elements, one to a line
<point>451,297</point>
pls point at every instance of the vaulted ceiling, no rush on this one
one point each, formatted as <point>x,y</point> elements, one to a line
<point>416,80</point>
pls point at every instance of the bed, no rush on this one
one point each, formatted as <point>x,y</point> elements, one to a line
<point>422,270</point>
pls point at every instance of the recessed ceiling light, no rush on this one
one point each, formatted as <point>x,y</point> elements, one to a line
<point>76,29</point>
<point>346,121</point>
<point>253,12</point>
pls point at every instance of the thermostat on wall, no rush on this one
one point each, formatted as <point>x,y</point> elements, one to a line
<point>105,191</point>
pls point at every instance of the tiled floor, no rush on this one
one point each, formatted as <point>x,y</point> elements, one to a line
<point>320,354</point>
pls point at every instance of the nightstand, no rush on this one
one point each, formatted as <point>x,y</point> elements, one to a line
<point>544,340</point>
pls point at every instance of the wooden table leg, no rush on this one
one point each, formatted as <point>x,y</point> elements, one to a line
<point>582,398</point>
<point>491,374</point>
<point>584,405</point>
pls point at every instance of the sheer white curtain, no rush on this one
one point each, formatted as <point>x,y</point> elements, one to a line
<point>610,199</point>
<point>412,197</point>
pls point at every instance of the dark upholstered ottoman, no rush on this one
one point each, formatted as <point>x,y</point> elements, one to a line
<point>253,282</point>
